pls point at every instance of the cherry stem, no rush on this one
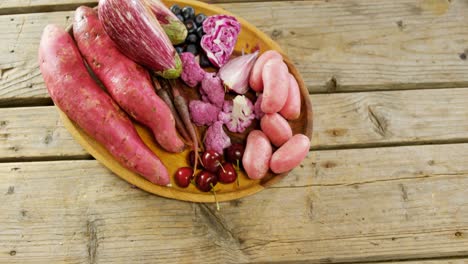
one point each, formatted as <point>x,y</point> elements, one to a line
<point>221,165</point>
<point>238,169</point>
<point>216,199</point>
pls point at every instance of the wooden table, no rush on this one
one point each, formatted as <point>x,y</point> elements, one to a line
<point>386,178</point>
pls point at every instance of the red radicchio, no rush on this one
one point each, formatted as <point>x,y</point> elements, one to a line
<point>221,37</point>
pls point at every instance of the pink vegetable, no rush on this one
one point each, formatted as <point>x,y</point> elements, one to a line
<point>203,113</point>
<point>174,28</point>
<point>257,107</point>
<point>276,128</point>
<point>292,108</point>
<point>291,154</point>
<point>127,82</point>
<point>276,85</point>
<point>216,139</point>
<point>192,73</point>
<point>255,81</point>
<point>137,33</point>
<point>220,38</point>
<point>74,91</point>
<point>237,114</point>
<point>257,155</point>
<point>212,89</point>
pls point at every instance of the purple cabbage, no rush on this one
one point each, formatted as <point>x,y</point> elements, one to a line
<point>220,38</point>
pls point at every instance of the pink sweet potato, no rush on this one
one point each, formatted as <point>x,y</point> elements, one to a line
<point>275,86</point>
<point>257,154</point>
<point>74,91</point>
<point>292,108</point>
<point>276,128</point>
<point>255,80</point>
<point>128,83</point>
<point>290,154</point>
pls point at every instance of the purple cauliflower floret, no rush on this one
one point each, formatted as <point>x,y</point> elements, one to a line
<point>212,90</point>
<point>192,73</point>
<point>203,113</point>
<point>257,107</point>
<point>220,38</point>
<point>237,114</point>
<point>216,139</point>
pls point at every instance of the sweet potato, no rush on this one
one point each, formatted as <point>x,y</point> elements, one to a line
<point>128,83</point>
<point>255,80</point>
<point>257,154</point>
<point>276,128</point>
<point>292,108</point>
<point>74,91</point>
<point>290,154</point>
<point>275,86</point>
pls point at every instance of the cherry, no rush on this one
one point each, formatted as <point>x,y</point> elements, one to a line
<point>183,176</point>
<point>211,160</point>
<point>205,181</point>
<point>191,160</point>
<point>234,153</point>
<point>227,173</point>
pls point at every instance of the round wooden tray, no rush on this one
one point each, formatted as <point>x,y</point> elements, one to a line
<point>250,38</point>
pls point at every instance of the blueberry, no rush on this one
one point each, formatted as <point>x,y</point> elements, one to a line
<point>179,49</point>
<point>191,26</point>
<point>199,19</point>
<point>192,48</point>
<point>192,38</point>
<point>180,17</point>
<point>204,61</point>
<point>176,9</point>
<point>200,32</point>
<point>188,12</point>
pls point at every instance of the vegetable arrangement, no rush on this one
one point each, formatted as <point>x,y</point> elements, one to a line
<point>175,72</point>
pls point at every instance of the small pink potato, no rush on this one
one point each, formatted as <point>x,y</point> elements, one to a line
<point>292,108</point>
<point>275,86</point>
<point>276,128</point>
<point>291,154</point>
<point>257,154</point>
<point>255,80</point>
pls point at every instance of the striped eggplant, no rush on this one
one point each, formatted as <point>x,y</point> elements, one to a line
<point>174,28</point>
<point>137,33</point>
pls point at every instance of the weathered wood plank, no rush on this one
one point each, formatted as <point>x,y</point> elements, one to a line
<point>392,118</point>
<point>340,206</point>
<point>432,261</point>
<point>338,45</point>
<point>342,120</point>
<point>36,6</point>
<point>35,133</point>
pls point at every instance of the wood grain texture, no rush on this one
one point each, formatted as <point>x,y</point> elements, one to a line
<point>337,46</point>
<point>36,133</point>
<point>339,206</point>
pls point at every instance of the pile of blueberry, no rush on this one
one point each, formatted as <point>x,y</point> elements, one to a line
<point>194,24</point>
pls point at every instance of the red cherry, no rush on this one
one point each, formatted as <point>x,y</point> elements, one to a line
<point>183,176</point>
<point>227,173</point>
<point>211,160</point>
<point>234,153</point>
<point>205,181</point>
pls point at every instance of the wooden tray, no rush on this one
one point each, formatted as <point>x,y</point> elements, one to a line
<point>249,38</point>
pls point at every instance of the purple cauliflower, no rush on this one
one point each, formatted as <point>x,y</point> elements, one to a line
<point>203,113</point>
<point>220,38</point>
<point>216,139</point>
<point>212,90</point>
<point>237,114</point>
<point>192,73</point>
<point>257,107</point>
